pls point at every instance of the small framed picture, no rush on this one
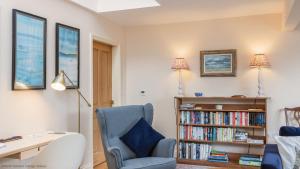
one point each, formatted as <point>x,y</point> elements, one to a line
<point>218,63</point>
<point>28,51</point>
<point>68,53</point>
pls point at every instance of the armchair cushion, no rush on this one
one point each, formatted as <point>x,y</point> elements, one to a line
<point>142,138</point>
<point>150,163</point>
<point>164,148</point>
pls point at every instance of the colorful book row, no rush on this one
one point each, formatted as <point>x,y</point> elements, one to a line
<point>223,118</point>
<point>194,151</point>
<point>207,133</point>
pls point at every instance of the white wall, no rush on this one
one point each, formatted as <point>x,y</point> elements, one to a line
<point>150,51</point>
<point>27,112</point>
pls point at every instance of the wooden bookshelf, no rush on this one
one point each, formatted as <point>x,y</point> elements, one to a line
<point>229,104</point>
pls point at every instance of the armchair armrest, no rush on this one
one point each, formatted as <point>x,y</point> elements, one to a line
<point>164,148</point>
<point>116,155</point>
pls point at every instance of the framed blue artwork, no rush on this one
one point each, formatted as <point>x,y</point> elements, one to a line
<point>29,51</point>
<point>218,63</point>
<point>68,53</point>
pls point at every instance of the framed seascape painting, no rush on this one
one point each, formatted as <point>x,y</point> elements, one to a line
<point>218,63</point>
<point>29,51</point>
<point>68,53</point>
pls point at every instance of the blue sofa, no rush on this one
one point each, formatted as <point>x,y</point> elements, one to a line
<point>271,159</point>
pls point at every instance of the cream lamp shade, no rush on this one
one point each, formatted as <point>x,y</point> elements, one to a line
<point>179,63</point>
<point>259,60</point>
<point>59,82</point>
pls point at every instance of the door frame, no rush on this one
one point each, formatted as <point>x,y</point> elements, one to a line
<point>118,71</point>
<point>117,76</point>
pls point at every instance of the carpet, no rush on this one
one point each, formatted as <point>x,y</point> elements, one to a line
<point>184,166</point>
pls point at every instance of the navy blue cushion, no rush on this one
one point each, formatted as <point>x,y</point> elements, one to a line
<point>271,159</point>
<point>289,131</point>
<point>142,138</point>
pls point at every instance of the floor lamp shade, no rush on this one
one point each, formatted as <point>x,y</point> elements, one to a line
<point>259,60</point>
<point>179,64</point>
<point>59,82</point>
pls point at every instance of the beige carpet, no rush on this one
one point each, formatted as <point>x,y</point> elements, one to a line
<point>183,166</point>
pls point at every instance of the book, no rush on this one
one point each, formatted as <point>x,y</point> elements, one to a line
<point>218,156</point>
<point>2,145</point>
<point>219,161</point>
<point>241,135</point>
<point>187,106</point>
<point>250,163</point>
<point>251,160</point>
<point>255,141</point>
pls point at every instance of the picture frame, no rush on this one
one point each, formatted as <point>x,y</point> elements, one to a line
<point>68,53</point>
<point>29,40</point>
<point>218,63</point>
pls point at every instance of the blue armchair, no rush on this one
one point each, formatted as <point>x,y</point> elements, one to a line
<point>117,121</point>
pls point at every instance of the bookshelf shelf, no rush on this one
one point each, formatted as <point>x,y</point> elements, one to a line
<point>230,164</point>
<point>217,110</point>
<point>221,142</point>
<point>208,123</point>
<point>223,98</point>
<point>224,126</point>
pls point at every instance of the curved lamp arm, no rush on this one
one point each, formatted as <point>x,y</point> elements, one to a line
<point>79,92</point>
<point>59,84</point>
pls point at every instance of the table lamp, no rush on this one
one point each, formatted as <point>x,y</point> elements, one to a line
<point>59,84</point>
<point>259,61</point>
<point>180,64</point>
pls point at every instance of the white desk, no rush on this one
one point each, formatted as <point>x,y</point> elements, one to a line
<point>28,146</point>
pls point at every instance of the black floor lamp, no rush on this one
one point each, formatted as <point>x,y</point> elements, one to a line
<point>59,84</point>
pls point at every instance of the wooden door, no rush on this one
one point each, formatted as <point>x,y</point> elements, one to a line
<point>102,92</point>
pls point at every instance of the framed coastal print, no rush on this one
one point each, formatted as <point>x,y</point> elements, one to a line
<point>218,63</point>
<point>68,53</point>
<point>28,51</point>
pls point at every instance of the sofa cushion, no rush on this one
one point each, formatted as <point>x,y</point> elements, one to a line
<point>289,131</point>
<point>150,163</point>
<point>288,150</point>
<point>142,138</point>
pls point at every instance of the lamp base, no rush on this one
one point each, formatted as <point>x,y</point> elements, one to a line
<point>180,91</point>
<point>179,95</point>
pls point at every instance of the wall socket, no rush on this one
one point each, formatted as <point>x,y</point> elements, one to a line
<point>143,93</point>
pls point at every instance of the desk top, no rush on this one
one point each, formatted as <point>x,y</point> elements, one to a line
<point>28,142</point>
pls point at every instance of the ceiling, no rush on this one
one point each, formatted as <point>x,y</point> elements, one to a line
<point>174,11</point>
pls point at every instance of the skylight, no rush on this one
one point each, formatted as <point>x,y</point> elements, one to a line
<point>115,5</point>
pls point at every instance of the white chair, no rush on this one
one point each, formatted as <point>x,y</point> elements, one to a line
<point>64,153</point>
